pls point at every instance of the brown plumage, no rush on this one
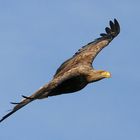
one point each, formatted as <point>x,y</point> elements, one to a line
<point>75,73</point>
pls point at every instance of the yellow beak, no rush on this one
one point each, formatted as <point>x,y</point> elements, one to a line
<point>106,74</point>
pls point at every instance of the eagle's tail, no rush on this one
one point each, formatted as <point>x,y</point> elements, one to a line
<point>25,101</point>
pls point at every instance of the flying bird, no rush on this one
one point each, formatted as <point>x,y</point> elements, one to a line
<point>75,73</point>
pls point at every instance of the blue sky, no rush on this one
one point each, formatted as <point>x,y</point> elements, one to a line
<point>36,36</point>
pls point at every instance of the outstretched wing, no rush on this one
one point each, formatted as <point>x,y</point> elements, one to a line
<point>50,89</point>
<point>25,101</point>
<point>87,53</point>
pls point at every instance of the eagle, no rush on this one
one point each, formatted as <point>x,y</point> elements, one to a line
<point>75,73</point>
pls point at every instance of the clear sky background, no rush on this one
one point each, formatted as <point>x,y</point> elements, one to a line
<point>36,36</point>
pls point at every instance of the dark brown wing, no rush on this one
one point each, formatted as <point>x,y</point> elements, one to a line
<point>49,89</point>
<point>87,53</point>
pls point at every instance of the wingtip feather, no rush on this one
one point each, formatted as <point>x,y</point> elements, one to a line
<point>112,31</point>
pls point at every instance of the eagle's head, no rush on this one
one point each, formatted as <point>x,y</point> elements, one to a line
<point>96,75</point>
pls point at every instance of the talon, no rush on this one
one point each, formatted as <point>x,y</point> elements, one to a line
<point>26,97</point>
<point>14,103</point>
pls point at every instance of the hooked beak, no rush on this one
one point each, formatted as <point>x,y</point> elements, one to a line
<point>106,74</point>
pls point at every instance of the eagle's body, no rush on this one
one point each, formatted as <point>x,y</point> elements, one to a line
<point>75,73</point>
